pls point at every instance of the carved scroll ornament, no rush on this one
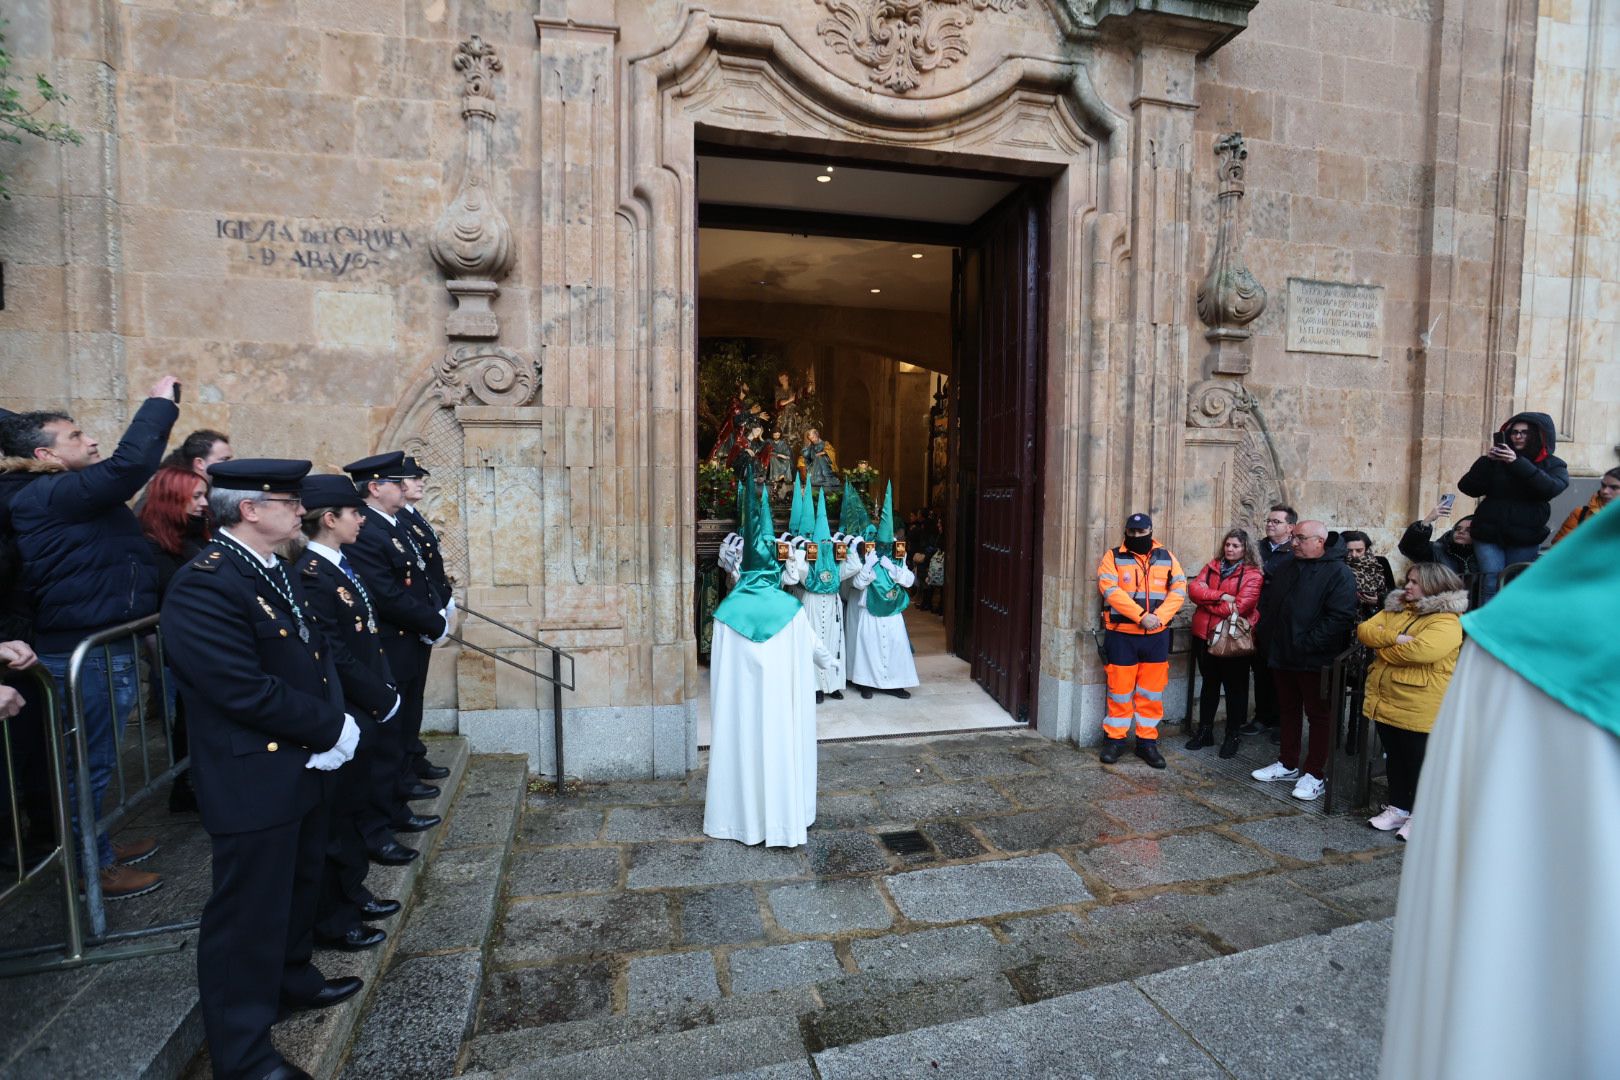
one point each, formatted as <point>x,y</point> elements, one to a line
<point>1256,472</point>
<point>902,40</point>
<point>487,375</point>
<point>472,241</point>
<point>1230,298</point>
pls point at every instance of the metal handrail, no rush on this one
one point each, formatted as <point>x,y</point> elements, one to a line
<point>558,685</point>
<point>1350,760</point>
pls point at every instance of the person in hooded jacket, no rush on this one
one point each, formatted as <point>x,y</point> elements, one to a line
<point>1516,481</point>
<point>1608,490</point>
<point>1454,549</point>
<point>1309,608</point>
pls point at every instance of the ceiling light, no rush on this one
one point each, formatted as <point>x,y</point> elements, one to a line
<point>877,290</point>
<point>829,168</point>
<point>823,179</point>
<point>916,254</point>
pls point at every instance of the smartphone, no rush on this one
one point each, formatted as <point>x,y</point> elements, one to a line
<point>1447,501</point>
<point>177,393</point>
<point>1499,438</point>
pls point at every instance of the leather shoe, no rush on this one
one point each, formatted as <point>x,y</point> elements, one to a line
<point>355,939</point>
<point>421,791</point>
<point>1111,750</point>
<point>417,823</point>
<point>1148,751</point>
<point>335,991</point>
<point>1229,746</point>
<point>426,770</point>
<point>286,1071</point>
<point>381,909</point>
<point>393,853</point>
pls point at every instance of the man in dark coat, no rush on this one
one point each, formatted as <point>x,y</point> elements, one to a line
<point>1516,481</point>
<point>425,543</point>
<point>266,718</point>
<point>408,613</point>
<point>362,794</point>
<point>1310,607</point>
<point>87,567</point>
<point>1276,549</point>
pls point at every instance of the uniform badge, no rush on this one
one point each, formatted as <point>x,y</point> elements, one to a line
<point>265,604</point>
<point>345,596</point>
<point>399,546</point>
<point>407,579</point>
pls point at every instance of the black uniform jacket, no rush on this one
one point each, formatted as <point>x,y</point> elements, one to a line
<point>400,590</point>
<point>427,541</point>
<point>258,698</point>
<point>346,620</point>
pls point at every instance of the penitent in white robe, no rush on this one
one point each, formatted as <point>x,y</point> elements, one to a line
<point>1505,931</point>
<point>877,647</point>
<point>826,614</point>
<point>762,752</point>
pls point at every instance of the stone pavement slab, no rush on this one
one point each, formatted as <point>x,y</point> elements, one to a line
<point>931,801</point>
<point>1042,830</point>
<point>1134,864</point>
<point>1310,840</point>
<point>780,967</point>
<point>455,903</point>
<point>561,826</point>
<point>1159,812</point>
<point>723,916</point>
<point>977,890</point>
<point>834,853</point>
<point>932,954</point>
<point>712,862</point>
<point>867,1008</point>
<point>531,997</point>
<point>1367,888</point>
<point>658,982</point>
<point>684,1055</point>
<point>1242,915</point>
<point>542,931</point>
<point>563,870</point>
<point>635,823</point>
<point>417,1018</point>
<point>829,907</point>
<point>1311,1007</point>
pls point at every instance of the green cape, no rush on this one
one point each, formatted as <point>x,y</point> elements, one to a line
<point>1529,626</point>
<point>756,607</point>
<point>884,596</point>
<point>824,571</point>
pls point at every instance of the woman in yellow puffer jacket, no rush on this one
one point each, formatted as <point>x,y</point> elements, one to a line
<point>1415,642</point>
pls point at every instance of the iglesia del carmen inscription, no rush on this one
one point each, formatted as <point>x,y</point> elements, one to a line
<point>1335,317</point>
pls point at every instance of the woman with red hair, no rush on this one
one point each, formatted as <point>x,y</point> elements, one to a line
<point>174,517</point>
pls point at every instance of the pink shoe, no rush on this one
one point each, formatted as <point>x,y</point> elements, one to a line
<point>1405,832</point>
<point>1390,819</point>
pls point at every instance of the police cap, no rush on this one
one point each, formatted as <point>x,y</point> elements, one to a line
<point>329,491</point>
<point>258,474</point>
<point>388,466</point>
<point>413,469</point>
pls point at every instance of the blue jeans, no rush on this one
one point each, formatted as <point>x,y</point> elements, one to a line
<point>103,724</point>
<point>1494,558</point>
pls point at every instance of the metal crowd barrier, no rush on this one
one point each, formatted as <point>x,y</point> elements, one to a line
<point>1354,751</point>
<point>555,678</point>
<point>69,730</point>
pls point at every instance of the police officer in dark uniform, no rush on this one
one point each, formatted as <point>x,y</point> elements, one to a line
<point>361,805</point>
<point>266,717</point>
<point>426,544</point>
<point>408,614</point>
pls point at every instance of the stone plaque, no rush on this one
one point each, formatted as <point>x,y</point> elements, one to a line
<point>1334,317</point>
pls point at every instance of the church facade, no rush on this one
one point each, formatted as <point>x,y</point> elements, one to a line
<point>1313,250</point>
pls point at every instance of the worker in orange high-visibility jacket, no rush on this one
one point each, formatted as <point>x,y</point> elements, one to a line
<point>1142,588</point>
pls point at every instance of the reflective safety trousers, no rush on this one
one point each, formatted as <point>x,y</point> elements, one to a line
<point>1138,670</point>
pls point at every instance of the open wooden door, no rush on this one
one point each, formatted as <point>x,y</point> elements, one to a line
<point>1000,308</point>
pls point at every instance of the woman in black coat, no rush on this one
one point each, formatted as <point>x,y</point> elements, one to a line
<point>1516,481</point>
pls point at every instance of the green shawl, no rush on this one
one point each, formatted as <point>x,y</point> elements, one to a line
<point>884,596</point>
<point>756,607</point>
<point>824,571</point>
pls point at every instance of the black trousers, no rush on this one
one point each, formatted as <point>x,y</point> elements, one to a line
<point>1403,756</point>
<point>1265,691</point>
<point>257,935</point>
<point>343,873</point>
<point>382,760</point>
<point>1222,674</point>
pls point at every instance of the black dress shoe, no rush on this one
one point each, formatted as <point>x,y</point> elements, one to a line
<point>1229,746</point>
<point>420,791</point>
<point>899,692</point>
<point>837,695</point>
<point>335,991</point>
<point>286,1071</point>
<point>1111,750</point>
<point>381,909</point>
<point>355,939</point>
<point>820,697</point>
<point>866,695</point>
<point>393,853</point>
<point>426,770</point>
<point>417,823</point>
<point>1148,751</point>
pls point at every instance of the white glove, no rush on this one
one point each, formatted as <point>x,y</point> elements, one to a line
<point>450,611</point>
<point>349,739</point>
<point>445,615</point>
<point>398,701</point>
<point>871,556</point>
<point>325,761</point>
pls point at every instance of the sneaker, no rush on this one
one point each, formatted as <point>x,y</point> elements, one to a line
<point>1391,819</point>
<point>123,882</point>
<point>135,851</point>
<point>1275,771</point>
<point>1309,788</point>
<point>1405,832</point>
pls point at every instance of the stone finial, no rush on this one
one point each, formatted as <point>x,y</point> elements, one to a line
<point>1230,298</point>
<point>472,241</point>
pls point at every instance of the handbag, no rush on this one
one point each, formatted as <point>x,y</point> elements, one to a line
<point>1233,637</point>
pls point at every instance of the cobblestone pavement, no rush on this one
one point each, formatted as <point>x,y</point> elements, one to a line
<point>1038,872</point>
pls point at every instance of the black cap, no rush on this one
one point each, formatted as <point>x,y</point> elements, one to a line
<point>389,466</point>
<point>258,474</point>
<point>329,491</point>
<point>1139,521</point>
<point>411,468</point>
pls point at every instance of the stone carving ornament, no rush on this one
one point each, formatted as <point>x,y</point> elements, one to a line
<point>1256,472</point>
<point>1230,298</point>
<point>902,40</point>
<point>488,375</point>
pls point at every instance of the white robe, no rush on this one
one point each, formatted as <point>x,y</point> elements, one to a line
<point>762,750</point>
<point>826,614</point>
<point>877,648</point>
<point>1506,938</point>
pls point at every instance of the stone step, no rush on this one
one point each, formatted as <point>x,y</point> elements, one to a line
<point>418,1014</point>
<point>731,1046</point>
<point>315,1041</point>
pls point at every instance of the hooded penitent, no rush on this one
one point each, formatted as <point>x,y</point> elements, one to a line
<point>756,607</point>
<point>824,571</point>
<point>884,596</point>
<point>1515,495</point>
<point>852,519</point>
<point>797,512</point>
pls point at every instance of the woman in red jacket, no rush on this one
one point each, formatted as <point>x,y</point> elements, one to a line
<point>1230,582</point>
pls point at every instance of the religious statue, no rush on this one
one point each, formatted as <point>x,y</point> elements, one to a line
<point>789,411</point>
<point>819,462</point>
<point>780,469</point>
<point>732,439</point>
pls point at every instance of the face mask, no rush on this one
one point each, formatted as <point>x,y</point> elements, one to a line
<point>1139,545</point>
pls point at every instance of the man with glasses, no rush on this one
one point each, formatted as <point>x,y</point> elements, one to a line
<point>265,718</point>
<point>412,621</point>
<point>1276,548</point>
<point>1516,480</point>
<point>1310,607</point>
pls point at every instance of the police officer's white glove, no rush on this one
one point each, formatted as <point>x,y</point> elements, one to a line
<point>445,615</point>
<point>349,739</point>
<point>398,701</point>
<point>325,761</point>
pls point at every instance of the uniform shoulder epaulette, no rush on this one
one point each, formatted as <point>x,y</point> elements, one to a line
<point>208,560</point>
<point>312,566</point>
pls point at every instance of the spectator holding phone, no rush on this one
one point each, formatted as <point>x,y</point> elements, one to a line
<point>1516,481</point>
<point>1608,488</point>
<point>1454,549</point>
